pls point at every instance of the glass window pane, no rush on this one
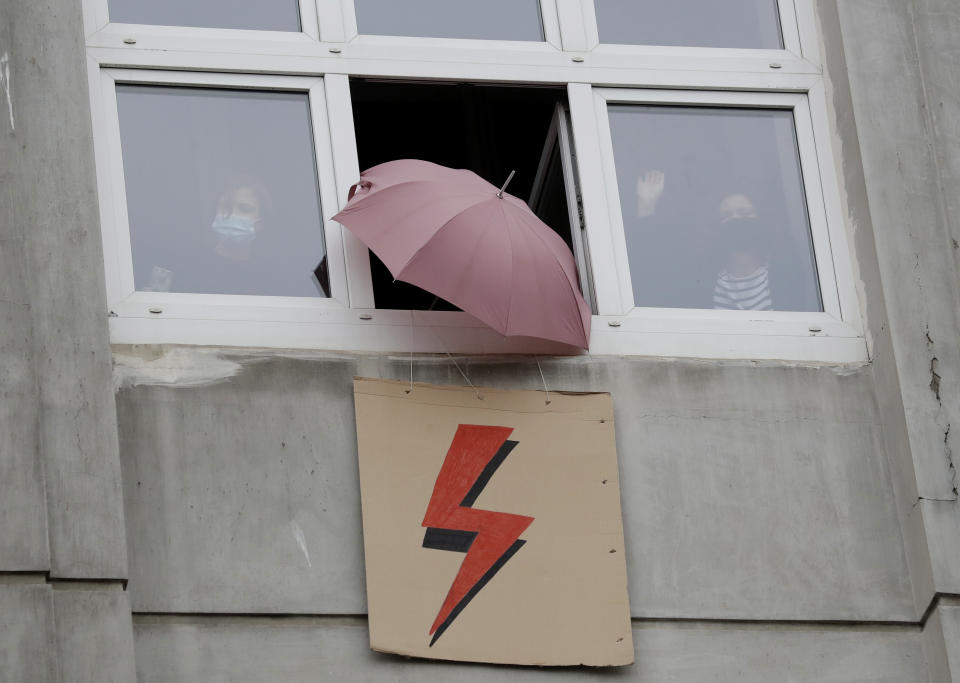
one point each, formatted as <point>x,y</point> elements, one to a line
<point>690,23</point>
<point>489,19</point>
<point>261,15</point>
<point>221,191</point>
<point>713,208</point>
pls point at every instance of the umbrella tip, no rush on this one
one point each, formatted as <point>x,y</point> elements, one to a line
<point>509,178</point>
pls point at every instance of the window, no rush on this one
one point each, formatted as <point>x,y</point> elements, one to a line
<point>690,23</point>
<point>685,162</point>
<point>263,15</point>
<point>492,19</point>
<point>221,190</point>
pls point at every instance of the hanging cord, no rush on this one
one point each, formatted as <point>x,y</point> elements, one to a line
<point>464,375</point>
<point>542,379</point>
<point>440,339</point>
<point>412,339</point>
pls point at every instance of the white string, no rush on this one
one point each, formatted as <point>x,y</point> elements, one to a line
<point>464,374</point>
<point>440,339</point>
<point>542,379</point>
<point>412,339</point>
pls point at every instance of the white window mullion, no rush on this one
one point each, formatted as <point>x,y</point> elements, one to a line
<point>807,30</point>
<point>328,191</point>
<point>607,252</point>
<point>551,23</point>
<point>308,19</point>
<point>118,227</point>
<point>789,25</point>
<point>96,15</point>
<point>103,107</point>
<point>819,229</point>
<point>330,16</point>
<point>347,169</point>
<point>578,25</point>
<point>822,158</point>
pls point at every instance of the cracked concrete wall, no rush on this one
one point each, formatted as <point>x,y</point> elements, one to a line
<point>849,165</point>
<point>910,156</point>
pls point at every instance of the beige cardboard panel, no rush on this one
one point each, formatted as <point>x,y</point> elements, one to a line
<point>562,598</point>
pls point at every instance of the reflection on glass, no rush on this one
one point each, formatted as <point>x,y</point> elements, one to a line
<point>489,19</point>
<point>221,191</point>
<point>690,23</point>
<point>261,15</point>
<point>713,208</point>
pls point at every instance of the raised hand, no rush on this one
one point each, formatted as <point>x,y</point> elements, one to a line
<point>649,188</point>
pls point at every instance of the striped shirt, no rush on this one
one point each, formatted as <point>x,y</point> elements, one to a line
<point>748,293</point>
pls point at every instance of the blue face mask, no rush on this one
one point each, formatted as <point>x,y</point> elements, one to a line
<point>236,229</point>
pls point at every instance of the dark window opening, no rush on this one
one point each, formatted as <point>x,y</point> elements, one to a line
<point>490,130</point>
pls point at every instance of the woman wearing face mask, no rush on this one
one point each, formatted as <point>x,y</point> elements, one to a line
<point>240,246</point>
<point>234,252</point>
<point>238,218</point>
<point>753,268</point>
<point>743,283</point>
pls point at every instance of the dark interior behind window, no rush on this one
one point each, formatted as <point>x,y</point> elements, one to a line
<point>488,129</point>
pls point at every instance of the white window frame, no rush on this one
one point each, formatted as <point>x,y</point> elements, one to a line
<point>328,52</point>
<point>122,298</point>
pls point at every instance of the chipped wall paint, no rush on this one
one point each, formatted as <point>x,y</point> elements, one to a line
<point>185,366</point>
<point>179,367</point>
<point>5,84</point>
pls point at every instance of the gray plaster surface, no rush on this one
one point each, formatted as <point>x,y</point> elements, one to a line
<point>337,650</point>
<point>937,25</point>
<point>55,209</point>
<point>935,648</point>
<point>913,246</point>
<point>749,491</point>
<point>27,638</point>
<point>949,615</point>
<point>221,481</point>
<point>853,193</point>
<point>94,636</point>
<point>942,522</point>
<point>23,543</point>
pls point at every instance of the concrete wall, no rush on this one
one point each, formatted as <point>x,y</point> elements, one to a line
<point>783,522</point>
<point>749,491</point>
<point>61,511</point>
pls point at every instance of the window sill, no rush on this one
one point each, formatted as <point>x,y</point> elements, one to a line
<point>700,334</point>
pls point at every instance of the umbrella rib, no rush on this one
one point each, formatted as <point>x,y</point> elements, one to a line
<point>513,270</point>
<point>415,209</point>
<point>443,226</point>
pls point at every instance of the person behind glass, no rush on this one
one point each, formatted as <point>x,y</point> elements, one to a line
<point>222,257</point>
<point>740,245</point>
<point>237,221</point>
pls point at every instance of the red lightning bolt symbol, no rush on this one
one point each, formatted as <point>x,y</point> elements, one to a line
<point>471,452</point>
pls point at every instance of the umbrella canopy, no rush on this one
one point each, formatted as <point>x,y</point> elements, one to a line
<point>453,234</point>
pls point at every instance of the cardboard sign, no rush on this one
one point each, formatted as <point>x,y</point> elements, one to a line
<point>492,525</point>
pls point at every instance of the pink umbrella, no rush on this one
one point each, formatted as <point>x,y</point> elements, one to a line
<point>483,250</point>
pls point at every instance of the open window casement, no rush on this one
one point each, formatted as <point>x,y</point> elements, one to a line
<point>556,191</point>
